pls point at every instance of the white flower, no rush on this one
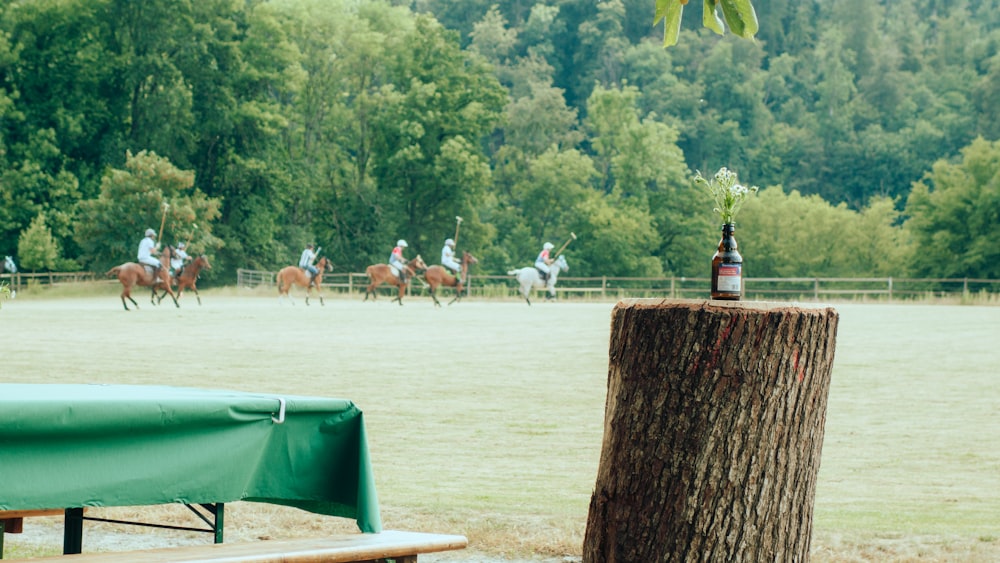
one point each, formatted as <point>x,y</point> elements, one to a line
<point>729,195</point>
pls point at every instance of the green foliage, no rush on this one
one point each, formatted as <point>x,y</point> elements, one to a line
<point>149,192</point>
<point>37,248</point>
<point>953,214</point>
<point>739,15</point>
<point>351,124</point>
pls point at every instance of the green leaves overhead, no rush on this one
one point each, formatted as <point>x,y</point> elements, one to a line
<point>739,15</point>
<point>670,12</point>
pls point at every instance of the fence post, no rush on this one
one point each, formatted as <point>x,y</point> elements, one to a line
<point>604,285</point>
<point>890,288</point>
<point>816,289</point>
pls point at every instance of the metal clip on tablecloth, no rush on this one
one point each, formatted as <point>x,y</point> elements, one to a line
<point>281,412</point>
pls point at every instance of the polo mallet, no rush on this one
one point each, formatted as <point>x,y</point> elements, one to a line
<point>163,221</point>
<point>572,237</point>
<point>458,223</point>
<point>194,227</point>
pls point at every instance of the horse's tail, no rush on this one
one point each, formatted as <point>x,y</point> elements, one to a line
<point>513,272</point>
<point>113,272</point>
<point>279,280</point>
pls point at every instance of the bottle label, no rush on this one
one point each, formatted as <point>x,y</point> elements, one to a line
<point>729,277</point>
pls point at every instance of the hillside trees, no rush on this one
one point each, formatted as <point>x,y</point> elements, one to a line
<point>352,124</point>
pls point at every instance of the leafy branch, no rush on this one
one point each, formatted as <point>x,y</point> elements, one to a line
<point>739,15</point>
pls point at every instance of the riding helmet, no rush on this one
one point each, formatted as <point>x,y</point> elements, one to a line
<point>401,242</point>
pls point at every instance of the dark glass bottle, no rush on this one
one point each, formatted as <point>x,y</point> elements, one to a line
<point>727,267</point>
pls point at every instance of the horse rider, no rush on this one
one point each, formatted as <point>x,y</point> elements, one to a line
<point>147,247</point>
<point>397,261</point>
<point>544,262</point>
<point>307,259</point>
<point>178,258</point>
<point>448,259</point>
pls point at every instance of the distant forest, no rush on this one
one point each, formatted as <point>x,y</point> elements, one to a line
<point>249,128</point>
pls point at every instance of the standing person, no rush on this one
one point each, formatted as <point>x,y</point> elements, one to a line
<point>307,259</point>
<point>397,261</point>
<point>178,258</point>
<point>448,259</point>
<point>148,247</point>
<point>543,261</point>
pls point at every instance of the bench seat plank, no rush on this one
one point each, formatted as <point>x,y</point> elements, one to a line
<point>334,549</point>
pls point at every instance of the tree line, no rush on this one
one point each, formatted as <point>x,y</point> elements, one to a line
<point>249,128</point>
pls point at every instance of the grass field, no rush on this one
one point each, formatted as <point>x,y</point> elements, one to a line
<point>485,418</point>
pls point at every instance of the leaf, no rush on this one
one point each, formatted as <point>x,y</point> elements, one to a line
<point>740,17</point>
<point>670,12</point>
<point>710,18</point>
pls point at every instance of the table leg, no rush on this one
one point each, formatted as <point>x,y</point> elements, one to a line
<point>220,512</point>
<point>73,531</point>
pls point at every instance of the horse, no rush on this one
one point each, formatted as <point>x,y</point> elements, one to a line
<point>530,278</point>
<point>189,276</point>
<point>294,275</point>
<point>131,274</point>
<point>8,266</point>
<point>438,275</point>
<point>383,273</point>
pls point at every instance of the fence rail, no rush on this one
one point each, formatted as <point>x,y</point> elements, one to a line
<point>606,287</point>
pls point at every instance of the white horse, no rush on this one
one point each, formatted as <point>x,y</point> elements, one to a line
<point>8,265</point>
<point>529,278</point>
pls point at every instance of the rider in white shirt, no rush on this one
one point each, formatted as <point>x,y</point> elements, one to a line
<point>448,259</point>
<point>177,258</point>
<point>147,246</point>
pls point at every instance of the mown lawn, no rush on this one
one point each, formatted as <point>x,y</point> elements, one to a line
<point>485,418</point>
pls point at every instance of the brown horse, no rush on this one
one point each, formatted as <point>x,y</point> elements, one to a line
<point>189,276</point>
<point>382,273</point>
<point>293,275</point>
<point>438,275</point>
<point>131,274</point>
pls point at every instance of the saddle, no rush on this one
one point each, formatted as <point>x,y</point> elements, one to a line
<point>541,274</point>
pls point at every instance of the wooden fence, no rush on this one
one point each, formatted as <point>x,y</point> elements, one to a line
<point>606,287</point>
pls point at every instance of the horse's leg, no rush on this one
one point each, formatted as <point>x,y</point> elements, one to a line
<point>127,294</point>
<point>402,288</point>
<point>196,295</point>
<point>165,278</point>
<point>433,292</point>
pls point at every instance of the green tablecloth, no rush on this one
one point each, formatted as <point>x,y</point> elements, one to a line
<point>69,446</point>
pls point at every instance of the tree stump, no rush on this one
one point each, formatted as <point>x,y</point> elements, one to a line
<point>713,430</point>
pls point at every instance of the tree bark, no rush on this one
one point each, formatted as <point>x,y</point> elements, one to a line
<point>713,430</point>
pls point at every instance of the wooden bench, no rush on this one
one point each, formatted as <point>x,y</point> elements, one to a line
<point>397,546</point>
<point>12,521</point>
